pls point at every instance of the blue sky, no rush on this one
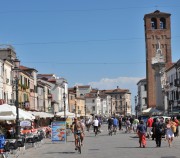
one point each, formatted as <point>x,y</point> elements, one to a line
<point>97,42</point>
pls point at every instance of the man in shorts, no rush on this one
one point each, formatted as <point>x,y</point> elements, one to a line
<point>78,127</point>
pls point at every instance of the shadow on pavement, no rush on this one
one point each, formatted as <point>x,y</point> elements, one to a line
<point>169,157</point>
<point>93,149</point>
<point>60,153</point>
<point>133,147</point>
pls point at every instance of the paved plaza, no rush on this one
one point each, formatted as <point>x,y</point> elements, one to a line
<point>122,145</point>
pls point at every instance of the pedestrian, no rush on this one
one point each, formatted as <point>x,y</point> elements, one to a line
<point>149,126</point>
<point>141,131</point>
<point>95,124</point>
<point>128,125</point>
<point>158,130</point>
<point>153,128</point>
<point>177,127</point>
<point>88,124</point>
<point>120,123</point>
<point>169,132</point>
<point>135,124</point>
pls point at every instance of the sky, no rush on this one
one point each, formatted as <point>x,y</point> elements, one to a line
<point>88,42</point>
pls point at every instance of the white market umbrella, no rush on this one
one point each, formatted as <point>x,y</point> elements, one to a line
<point>147,110</point>
<point>68,114</point>
<point>9,112</point>
<point>6,110</point>
<point>7,118</point>
<point>151,111</point>
<point>41,114</point>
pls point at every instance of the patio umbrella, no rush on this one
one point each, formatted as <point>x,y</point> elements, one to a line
<point>8,112</point>
<point>41,114</point>
<point>68,114</point>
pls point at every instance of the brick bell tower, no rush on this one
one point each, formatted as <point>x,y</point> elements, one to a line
<point>157,30</point>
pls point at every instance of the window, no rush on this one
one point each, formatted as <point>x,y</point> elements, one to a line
<point>93,101</point>
<point>145,87</point>
<point>93,108</point>
<point>145,101</point>
<point>162,23</point>
<point>153,23</point>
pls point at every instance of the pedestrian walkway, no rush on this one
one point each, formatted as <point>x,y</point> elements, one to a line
<point>123,145</point>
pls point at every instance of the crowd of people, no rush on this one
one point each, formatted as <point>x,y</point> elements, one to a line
<point>154,128</point>
<point>157,128</point>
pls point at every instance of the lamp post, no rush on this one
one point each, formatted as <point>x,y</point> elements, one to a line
<point>16,71</point>
<point>111,106</point>
<point>135,99</point>
<point>85,110</point>
<point>64,99</point>
<point>75,109</point>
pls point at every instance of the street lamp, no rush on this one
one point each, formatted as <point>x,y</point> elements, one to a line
<point>85,113</point>
<point>111,106</point>
<point>135,99</point>
<point>64,98</point>
<point>75,109</point>
<point>16,71</point>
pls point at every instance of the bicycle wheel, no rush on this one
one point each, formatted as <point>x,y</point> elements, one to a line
<point>79,145</point>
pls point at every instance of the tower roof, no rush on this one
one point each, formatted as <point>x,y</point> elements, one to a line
<point>157,13</point>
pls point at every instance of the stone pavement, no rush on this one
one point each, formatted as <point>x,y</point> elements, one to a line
<point>122,145</point>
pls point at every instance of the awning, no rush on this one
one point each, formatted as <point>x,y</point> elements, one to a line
<point>8,112</point>
<point>68,114</point>
<point>153,111</point>
<point>41,114</point>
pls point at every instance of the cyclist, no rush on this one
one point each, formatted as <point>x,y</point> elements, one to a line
<point>78,127</point>
<point>115,124</point>
<point>110,123</point>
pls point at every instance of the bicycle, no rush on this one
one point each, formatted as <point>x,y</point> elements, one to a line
<point>78,133</point>
<point>110,131</point>
<point>114,130</point>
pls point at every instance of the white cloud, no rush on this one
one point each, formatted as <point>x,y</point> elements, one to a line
<point>112,83</point>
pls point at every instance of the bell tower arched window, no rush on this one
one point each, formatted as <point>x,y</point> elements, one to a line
<point>162,23</point>
<point>153,23</point>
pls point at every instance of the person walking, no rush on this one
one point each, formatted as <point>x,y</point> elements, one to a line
<point>177,127</point>
<point>128,125</point>
<point>115,125</point>
<point>153,128</point>
<point>95,124</point>
<point>135,124</point>
<point>169,132</point>
<point>88,124</point>
<point>149,126</point>
<point>141,131</point>
<point>120,123</point>
<point>158,130</point>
